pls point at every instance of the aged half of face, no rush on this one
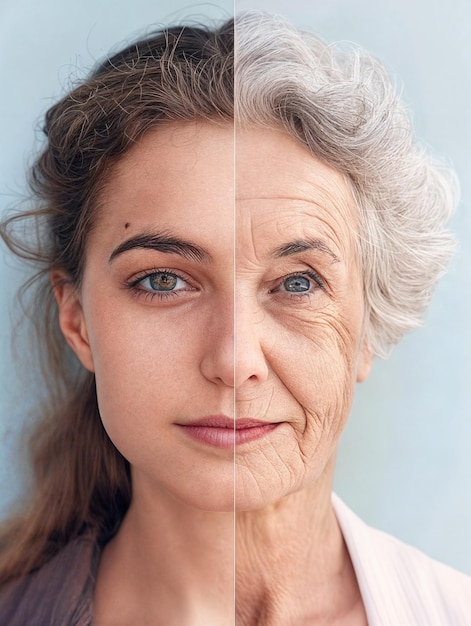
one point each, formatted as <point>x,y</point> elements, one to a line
<point>208,241</point>
<point>299,311</point>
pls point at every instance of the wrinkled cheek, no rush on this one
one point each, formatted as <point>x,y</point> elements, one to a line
<point>330,391</point>
<point>314,382</point>
<point>324,381</point>
<point>317,369</point>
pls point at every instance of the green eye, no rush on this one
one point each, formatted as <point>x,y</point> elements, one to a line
<point>163,281</point>
<point>161,284</point>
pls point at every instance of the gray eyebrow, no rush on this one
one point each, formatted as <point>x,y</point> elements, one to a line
<point>301,245</point>
<point>163,242</point>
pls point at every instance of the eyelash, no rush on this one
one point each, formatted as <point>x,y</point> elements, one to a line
<point>133,284</point>
<point>313,276</point>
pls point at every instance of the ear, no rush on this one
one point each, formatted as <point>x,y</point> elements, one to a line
<point>71,317</point>
<point>365,362</point>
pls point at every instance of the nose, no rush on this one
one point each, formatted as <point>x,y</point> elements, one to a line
<point>217,363</point>
<point>250,362</point>
<point>234,354</point>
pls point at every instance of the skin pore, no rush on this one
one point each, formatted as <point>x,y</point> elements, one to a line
<point>155,318</point>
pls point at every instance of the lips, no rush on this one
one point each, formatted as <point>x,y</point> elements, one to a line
<point>223,432</point>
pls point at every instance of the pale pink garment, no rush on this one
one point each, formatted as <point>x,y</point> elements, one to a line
<point>401,586</point>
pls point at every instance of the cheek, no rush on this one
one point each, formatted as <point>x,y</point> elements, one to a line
<point>315,361</point>
<point>142,367</point>
<point>316,354</point>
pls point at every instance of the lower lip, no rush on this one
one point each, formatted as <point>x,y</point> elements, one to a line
<point>228,437</point>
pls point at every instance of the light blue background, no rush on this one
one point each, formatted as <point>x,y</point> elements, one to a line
<point>404,463</point>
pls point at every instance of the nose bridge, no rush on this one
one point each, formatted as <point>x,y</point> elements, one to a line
<point>217,363</point>
<point>249,321</point>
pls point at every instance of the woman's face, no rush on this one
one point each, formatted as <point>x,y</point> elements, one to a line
<point>188,262</point>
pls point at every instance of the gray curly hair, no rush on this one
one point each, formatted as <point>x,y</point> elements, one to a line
<point>343,106</point>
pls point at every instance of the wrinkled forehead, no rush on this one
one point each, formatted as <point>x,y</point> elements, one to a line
<point>284,193</point>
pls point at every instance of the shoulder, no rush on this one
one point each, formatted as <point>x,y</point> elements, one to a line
<point>399,584</point>
<point>59,593</point>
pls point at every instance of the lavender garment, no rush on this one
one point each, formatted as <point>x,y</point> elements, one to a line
<point>58,594</point>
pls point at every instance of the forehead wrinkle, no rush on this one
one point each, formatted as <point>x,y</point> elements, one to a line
<point>246,246</point>
<point>275,229</point>
<point>327,204</point>
<point>306,204</point>
<point>330,191</point>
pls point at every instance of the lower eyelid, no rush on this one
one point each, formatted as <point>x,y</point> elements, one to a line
<point>150,295</point>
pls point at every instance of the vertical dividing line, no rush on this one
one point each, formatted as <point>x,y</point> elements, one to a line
<point>234,322</point>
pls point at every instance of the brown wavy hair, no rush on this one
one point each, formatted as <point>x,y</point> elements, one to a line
<point>177,74</point>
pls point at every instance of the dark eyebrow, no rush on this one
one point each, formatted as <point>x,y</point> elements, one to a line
<point>164,242</point>
<point>301,245</point>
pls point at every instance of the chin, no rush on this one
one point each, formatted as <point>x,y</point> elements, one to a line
<point>268,489</point>
<point>253,495</point>
<point>216,503</point>
<point>211,496</point>
<point>247,502</point>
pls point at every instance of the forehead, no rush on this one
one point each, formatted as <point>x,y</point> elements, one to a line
<point>178,177</point>
<point>282,191</point>
<point>194,177</point>
<point>184,162</point>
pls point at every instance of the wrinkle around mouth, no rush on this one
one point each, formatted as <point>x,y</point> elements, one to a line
<point>255,404</point>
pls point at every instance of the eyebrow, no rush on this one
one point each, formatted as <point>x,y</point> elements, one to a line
<point>301,245</point>
<point>163,242</point>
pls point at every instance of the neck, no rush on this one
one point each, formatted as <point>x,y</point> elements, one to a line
<point>292,565</point>
<point>169,560</point>
<point>285,564</point>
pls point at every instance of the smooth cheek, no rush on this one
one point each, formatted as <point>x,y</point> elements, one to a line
<point>147,378</point>
<point>140,367</point>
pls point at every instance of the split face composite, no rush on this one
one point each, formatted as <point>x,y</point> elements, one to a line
<point>222,312</point>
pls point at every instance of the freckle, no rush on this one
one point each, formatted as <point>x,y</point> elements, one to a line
<point>127,225</point>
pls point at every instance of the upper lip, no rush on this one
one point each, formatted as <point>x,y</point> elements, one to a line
<point>222,421</point>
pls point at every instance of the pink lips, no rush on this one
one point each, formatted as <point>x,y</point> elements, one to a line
<point>223,432</point>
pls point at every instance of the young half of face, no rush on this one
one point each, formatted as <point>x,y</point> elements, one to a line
<point>221,282</point>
